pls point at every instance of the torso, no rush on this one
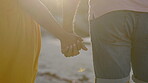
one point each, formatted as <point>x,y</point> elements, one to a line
<point>101,7</point>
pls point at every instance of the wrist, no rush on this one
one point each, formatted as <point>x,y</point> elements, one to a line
<point>68,28</point>
<point>62,34</point>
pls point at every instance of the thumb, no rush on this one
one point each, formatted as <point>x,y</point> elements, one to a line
<point>80,39</point>
<point>84,47</point>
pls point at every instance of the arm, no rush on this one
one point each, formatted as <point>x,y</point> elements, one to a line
<point>41,14</point>
<point>69,11</point>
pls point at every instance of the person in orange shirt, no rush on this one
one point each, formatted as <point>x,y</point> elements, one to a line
<point>119,35</point>
<point>20,40</point>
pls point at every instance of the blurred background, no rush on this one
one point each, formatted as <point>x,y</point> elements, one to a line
<point>53,66</point>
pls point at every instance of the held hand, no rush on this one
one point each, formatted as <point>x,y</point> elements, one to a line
<point>74,49</point>
<point>71,44</point>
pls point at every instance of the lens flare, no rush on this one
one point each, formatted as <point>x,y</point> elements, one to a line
<point>81,70</point>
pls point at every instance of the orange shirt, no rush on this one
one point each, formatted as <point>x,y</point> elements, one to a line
<point>101,7</point>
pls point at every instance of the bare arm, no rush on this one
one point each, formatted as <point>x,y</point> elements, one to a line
<point>69,11</point>
<point>41,14</point>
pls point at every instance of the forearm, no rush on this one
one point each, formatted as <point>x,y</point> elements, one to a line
<point>69,11</point>
<point>41,14</point>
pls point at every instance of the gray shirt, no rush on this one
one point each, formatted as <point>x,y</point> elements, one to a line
<point>101,7</point>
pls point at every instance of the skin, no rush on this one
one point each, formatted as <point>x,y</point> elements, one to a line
<point>42,15</point>
<point>69,11</point>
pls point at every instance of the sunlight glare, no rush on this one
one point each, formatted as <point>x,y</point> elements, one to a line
<point>81,70</point>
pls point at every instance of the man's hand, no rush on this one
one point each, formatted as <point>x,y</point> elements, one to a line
<point>71,44</point>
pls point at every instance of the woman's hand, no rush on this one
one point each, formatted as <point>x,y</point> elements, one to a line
<point>71,44</point>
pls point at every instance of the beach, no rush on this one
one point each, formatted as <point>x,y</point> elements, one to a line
<point>55,68</point>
